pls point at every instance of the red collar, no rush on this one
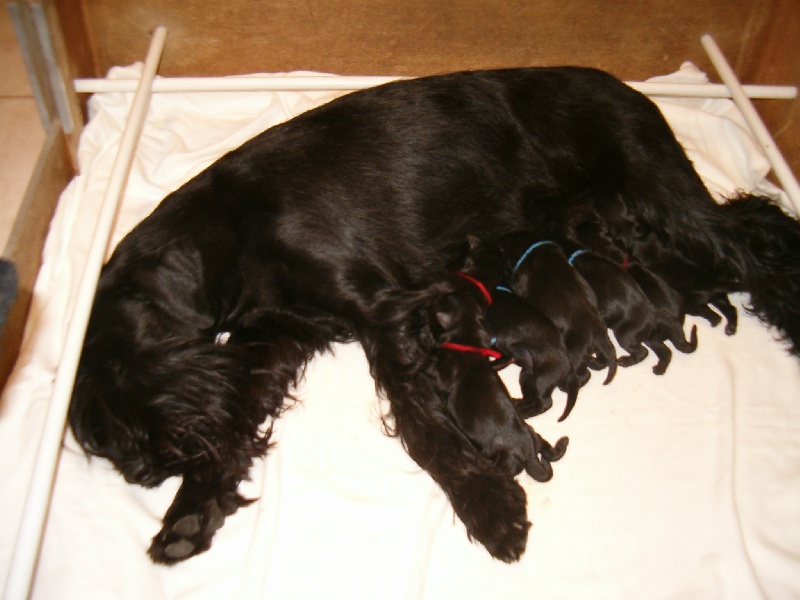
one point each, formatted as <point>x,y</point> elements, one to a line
<point>487,352</point>
<point>487,296</point>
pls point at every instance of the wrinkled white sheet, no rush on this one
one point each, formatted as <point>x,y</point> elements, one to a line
<point>684,486</point>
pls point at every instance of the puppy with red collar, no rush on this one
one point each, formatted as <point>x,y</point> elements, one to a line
<point>476,396</point>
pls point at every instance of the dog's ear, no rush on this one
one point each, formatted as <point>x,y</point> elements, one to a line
<point>170,409</point>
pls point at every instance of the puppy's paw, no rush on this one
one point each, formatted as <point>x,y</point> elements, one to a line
<point>494,509</point>
<point>539,467</point>
<point>184,536</point>
<point>631,359</point>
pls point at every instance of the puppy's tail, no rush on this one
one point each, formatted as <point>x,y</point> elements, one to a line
<point>763,243</point>
<point>606,357</point>
<point>573,384</point>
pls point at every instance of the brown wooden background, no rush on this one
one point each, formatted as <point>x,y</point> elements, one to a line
<point>634,39</point>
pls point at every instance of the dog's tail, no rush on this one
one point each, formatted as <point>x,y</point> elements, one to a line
<point>763,243</point>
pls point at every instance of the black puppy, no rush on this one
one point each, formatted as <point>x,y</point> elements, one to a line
<point>334,225</point>
<point>627,310</point>
<point>523,333</point>
<point>476,396</point>
<point>540,274</point>
<point>699,288</point>
<point>700,294</point>
<point>668,303</point>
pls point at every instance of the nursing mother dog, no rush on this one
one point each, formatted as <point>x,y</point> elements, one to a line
<point>340,224</point>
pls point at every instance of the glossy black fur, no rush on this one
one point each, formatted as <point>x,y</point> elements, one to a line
<point>699,297</point>
<point>669,308</point>
<point>544,278</point>
<point>628,312</point>
<point>336,225</point>
<point>523,333</point>
<point>475,395</point>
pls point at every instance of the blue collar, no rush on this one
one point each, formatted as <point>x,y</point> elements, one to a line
<point>576,254</point>
<point>528,251</point>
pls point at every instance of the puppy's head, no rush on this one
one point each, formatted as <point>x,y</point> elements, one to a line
<point>458,317</point>
<point>484,261</point>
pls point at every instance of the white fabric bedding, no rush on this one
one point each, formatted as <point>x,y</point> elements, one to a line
<point>683,486</point>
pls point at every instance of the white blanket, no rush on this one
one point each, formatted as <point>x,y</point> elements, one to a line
<point>681,486</point>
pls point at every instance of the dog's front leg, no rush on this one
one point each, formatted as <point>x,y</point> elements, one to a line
<point>490,503</point>
<point>400,346</point>
<point>197,512</point>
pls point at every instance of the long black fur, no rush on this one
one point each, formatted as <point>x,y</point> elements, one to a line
<point>334,226</point>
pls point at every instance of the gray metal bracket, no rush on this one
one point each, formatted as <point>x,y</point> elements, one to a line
<point>36,41</point>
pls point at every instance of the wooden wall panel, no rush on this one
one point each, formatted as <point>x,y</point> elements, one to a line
<point>774,58</point>
<point>53,172</point>
<point>633,39</point>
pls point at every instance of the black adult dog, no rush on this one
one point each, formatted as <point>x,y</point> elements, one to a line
<point>331,226</point>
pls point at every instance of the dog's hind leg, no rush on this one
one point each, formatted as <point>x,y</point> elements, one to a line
<point>630,339</point>
<point>678,339</point>
<point>636,354</point>
<point>534,401</point>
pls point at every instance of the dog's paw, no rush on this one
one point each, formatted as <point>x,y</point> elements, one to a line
<point>494,510</point>
<point>183,537</point>
<point>531,406</point>
<point>634,358</point>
